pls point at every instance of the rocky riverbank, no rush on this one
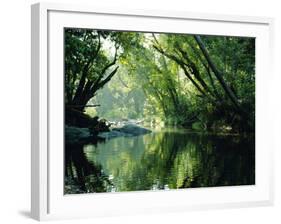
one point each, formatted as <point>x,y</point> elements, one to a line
<point>128,130</point>
<point>77,135</point>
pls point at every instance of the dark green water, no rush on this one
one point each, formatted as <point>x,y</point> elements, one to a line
<point>169,159</point>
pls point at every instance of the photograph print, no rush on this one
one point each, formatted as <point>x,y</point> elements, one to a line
<point>157,111</point>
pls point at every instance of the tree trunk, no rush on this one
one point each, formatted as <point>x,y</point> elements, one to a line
<point>218,74</point>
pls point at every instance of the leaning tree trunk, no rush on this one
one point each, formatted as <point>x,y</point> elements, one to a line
<point>87,90</point>
<point>218,74</point>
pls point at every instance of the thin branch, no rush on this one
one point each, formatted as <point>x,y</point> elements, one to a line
<point>181,64</point>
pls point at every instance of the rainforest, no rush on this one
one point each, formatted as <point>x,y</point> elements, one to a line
<point>157,111</point>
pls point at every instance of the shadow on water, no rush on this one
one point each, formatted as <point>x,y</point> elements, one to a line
<point>160,160</point>
<point>82,176</point>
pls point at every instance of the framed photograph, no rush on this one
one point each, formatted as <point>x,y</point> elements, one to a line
<point>148,111</point>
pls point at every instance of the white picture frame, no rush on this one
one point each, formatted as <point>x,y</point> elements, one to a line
<point>48,201</point>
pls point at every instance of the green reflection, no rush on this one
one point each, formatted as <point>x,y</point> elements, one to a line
<point>169,159</point>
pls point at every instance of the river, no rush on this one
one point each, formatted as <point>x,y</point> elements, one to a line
<point>162,160</point>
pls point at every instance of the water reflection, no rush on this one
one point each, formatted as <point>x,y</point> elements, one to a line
<point>169,159</point>
<point>82,176</point>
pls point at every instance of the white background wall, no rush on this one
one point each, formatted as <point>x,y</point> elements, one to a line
<point>15,110</point>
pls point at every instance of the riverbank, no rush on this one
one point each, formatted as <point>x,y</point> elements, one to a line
<point>77,135</point>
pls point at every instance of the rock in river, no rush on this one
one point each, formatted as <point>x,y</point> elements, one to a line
<point>132,129</point>
<point>77,135</point>
<point>128,130</point>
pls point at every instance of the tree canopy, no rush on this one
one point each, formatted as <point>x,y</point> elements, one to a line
<point>200,82</point>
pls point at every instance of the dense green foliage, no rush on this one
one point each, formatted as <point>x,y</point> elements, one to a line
<point>199,82</point>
